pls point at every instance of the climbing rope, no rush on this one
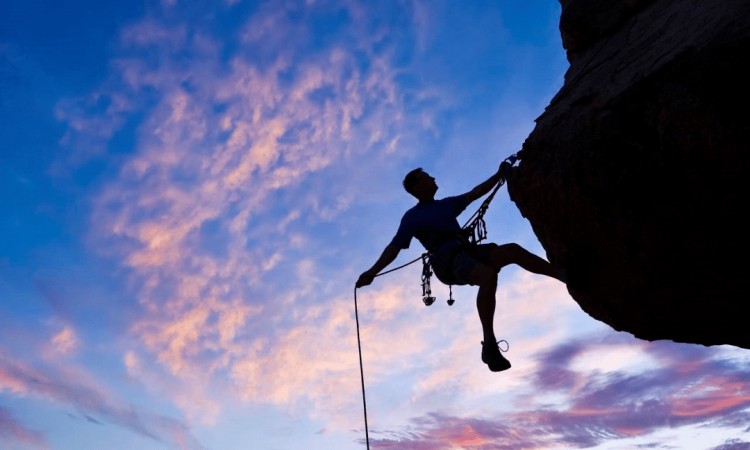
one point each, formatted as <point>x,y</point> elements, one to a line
<point>361,369</point>
<point>475,229</point>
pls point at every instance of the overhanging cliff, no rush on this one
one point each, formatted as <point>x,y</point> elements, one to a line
<point>634,176</point>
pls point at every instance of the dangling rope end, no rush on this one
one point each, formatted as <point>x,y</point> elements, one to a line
<point>361,368</point>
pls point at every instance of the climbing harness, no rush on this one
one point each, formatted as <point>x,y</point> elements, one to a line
<point>475,231</point>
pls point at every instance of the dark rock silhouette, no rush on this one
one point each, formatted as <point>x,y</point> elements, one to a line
<point>634,176</point>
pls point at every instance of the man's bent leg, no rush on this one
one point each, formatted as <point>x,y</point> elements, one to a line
<point>512,253</point>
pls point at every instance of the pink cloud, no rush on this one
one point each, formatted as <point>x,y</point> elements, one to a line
<point>191,214</point>
<point>150,32</point>
<point>72,388</point>
<point>703,390</point>
<point>215,148</point>
<point>12,431</point>
<point>711,396</point>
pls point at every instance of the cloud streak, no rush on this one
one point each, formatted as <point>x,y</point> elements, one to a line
<point>14,432</point>
<point>67,387</point>
<point>690,387</point>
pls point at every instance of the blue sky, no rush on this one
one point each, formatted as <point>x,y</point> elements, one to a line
<point>190,189</point>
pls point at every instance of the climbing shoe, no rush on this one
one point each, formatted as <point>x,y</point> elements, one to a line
<point>493,358</point>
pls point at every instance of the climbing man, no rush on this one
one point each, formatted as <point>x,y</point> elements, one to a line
<point>454,260</point>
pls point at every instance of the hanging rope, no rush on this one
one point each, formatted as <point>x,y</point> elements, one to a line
<point>476,231</point>
<point>361,370</point>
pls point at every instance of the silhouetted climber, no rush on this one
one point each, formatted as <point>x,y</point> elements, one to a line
<point>455,261</point>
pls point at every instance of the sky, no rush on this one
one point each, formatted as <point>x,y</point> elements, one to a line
<point>189,191</point>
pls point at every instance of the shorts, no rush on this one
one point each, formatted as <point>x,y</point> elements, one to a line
<point>453,261</point>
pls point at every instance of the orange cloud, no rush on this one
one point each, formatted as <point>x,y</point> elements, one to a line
<point>66,340</point>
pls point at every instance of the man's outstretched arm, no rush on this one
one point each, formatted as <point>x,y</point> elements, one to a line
<point>484,187</point>
<point>388,256</point>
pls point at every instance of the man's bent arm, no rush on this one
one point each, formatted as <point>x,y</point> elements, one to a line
<point>484,187</point>
<point>388,256</point>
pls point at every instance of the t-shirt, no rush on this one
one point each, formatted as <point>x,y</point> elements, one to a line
<point>431,222</point>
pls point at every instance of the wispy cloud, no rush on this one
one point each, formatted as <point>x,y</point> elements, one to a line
<point>13,432</point>
<point>690,387</point>
<point>72,388</point>
<point>210,211</point>
<point>65,341</point>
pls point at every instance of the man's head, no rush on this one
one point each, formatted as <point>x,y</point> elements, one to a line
<point>420,184</point>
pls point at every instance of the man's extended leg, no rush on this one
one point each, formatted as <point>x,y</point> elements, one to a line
<point>503,255</point>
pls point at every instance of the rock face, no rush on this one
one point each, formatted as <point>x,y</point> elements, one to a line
<point>634,176</point>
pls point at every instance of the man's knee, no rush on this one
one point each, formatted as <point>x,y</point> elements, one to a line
<point>510,248</point>
<point>505,254</point>
<point>482,275</point>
